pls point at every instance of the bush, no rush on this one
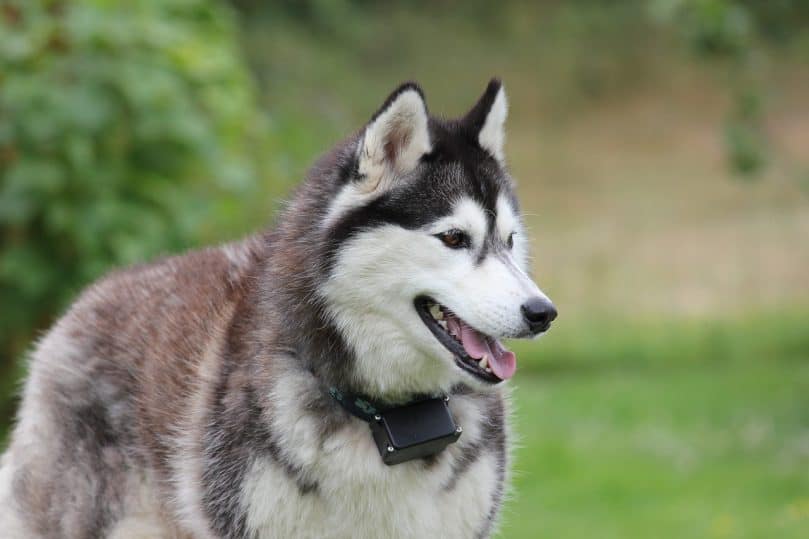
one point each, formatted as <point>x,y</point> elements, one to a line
<point>735,32</point>
<point>122,125</point>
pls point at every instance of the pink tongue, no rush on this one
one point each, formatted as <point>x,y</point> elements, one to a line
<point>502,362</point>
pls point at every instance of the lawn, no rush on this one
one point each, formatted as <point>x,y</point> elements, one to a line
<point>716,446</point>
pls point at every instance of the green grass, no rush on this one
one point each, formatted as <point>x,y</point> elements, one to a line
<point>707,437</point>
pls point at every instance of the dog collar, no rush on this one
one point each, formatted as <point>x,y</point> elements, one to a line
<point>418,429</point>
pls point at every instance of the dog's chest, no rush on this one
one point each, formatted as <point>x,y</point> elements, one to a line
<point>350,493</point>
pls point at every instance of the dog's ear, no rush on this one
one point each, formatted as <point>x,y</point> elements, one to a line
<point>396,137</point>
<point>488,117</point>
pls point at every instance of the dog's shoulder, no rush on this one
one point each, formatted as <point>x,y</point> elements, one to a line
<point>176,293</point>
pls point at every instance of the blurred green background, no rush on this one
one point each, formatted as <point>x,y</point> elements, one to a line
<point>662,152</point>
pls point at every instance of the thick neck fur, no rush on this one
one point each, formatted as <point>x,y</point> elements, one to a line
<point>291,313</point>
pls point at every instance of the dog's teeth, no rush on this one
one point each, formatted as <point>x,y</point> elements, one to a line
<point>435,310</point>
<point>488,370</point>
<point>484,362</point>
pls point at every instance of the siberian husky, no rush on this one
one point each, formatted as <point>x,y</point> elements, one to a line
<point>338,376</point>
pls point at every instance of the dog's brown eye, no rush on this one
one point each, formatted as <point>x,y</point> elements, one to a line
<point>454,239</point>
<point>510,240</point>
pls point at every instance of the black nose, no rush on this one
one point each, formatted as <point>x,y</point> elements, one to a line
<point>538,313</point>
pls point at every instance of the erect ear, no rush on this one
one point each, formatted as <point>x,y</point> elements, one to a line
<point>488,117</point>
<point>396,137</point>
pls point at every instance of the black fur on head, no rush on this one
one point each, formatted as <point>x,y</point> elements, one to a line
<point>476,117</point>
<point>456,165</point>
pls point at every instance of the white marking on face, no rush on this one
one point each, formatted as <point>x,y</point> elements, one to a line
<point>507,223</point>
<point>468,216</point>
<point>379,272</point>
<point>492,135</point>
<point>370,294</point>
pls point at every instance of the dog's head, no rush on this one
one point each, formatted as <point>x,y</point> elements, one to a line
<point>427,253</point>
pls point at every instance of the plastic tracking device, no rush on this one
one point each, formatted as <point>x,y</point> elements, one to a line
<point>415,430</point>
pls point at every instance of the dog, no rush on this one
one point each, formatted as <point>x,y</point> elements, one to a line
<point>340,375</point>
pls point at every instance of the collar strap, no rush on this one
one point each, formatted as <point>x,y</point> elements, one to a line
<point>364,408</point>
<point>356,405</point>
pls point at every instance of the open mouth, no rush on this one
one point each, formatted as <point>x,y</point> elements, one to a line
<point>475,352</point>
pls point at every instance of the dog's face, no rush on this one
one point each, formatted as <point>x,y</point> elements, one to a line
<point>427,271</point>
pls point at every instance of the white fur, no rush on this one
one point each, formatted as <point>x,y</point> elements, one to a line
<point>508,222</point>
<point>380,271</point>
<point>187,462</point>
<point>9,517</point>
<point>467,215</point>
<point>378,319</point>
<point>136,527</point>
<point>143,520</point>
<point>358,496</point>
<point>492,136</point>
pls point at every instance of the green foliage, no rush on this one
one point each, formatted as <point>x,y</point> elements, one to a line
<point>737,35</point>
<point>745,140</point>
<point>712,27</point>
<point>725,31</point>
<point>122,126</point>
